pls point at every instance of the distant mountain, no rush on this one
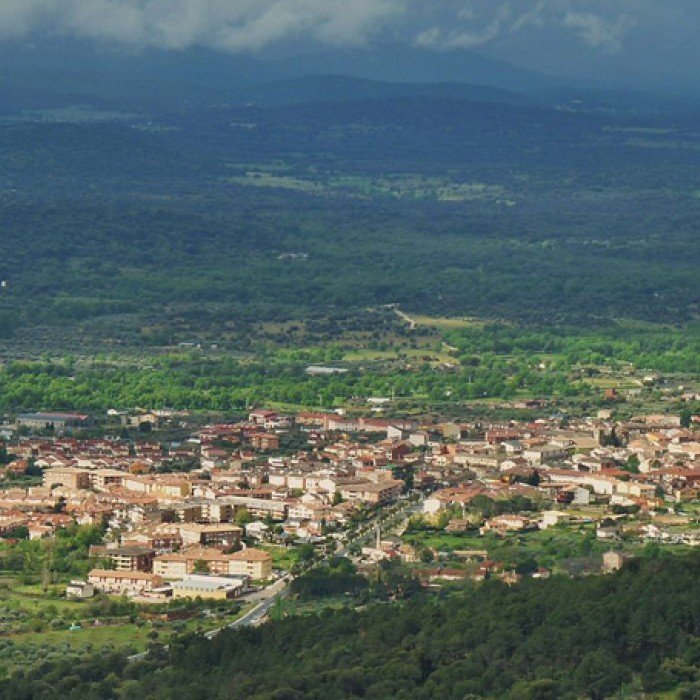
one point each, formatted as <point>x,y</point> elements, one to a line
<point>408,64</point>
<point>61,73</point>
<point>337,88</point>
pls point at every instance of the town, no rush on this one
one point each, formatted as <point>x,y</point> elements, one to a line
<point>228,512</point>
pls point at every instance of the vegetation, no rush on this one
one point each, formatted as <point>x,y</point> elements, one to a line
<point>633,632</point>
<point>493,360</point>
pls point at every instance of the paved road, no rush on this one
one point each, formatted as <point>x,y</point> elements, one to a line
<point>272,593</point>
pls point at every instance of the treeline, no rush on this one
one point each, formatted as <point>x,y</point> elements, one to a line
<point>228,384</point>
<point>496,360</point>
<point>631,633</point>
<point>660,347</point>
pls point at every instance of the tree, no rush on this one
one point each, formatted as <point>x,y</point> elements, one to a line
<point>632,464</point>
<point>201,567</point>
<point>599,675</point>
<point>686,418</point>
<point>243,517</point>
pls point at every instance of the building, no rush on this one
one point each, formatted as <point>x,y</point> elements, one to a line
<point>373,494</point>
<point>222,534</point>
<point>545,453</point>
<point>131,558</point>
<point>318,370</point>
<point>66,476</point>
<point>58,422</point>
<point>123,582</point>
<point>80,589</point>
<point>210,587</point>
<point>259,507</point>
<point>251,562</point>
<point>613,561</point>
<point>262,417</point>
<point>180,564</point>
<point>265,441</point>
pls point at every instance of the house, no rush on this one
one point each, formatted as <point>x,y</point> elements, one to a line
<point>450,431</point>
<point>80,589</point>
<point>613,561</point>
<point>265,441</point>
<point>123,582</point>
<point>551,518</point>
<point>418,439</point>
<point>608,532</point>
<point>506,523</point>
<point>257,530</point>
<point>430,575</point>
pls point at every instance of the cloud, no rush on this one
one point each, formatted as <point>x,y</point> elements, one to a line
<point>473,23</point>
<point>598,32</point>
<point>234,25</point>
<point>604,26</point>
<point>468,38</point>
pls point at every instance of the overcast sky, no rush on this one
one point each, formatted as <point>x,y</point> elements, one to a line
<point>577,37</point>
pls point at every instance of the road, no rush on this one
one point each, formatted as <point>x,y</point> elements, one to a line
<point>405,317</point>
<point>268,597</point>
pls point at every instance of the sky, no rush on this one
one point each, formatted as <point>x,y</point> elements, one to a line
<point>581,38</point>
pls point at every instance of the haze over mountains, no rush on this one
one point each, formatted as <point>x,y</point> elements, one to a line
<point>61,72</point>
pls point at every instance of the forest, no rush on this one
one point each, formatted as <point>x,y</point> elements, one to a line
<point>637,631</point>
<point>493,205</point>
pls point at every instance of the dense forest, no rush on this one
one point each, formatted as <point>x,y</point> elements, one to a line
<point>637,631</point>
<point>448,201</point>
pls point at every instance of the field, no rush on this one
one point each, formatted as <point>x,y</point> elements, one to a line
<point>562,549</point>
<point>38,624</point>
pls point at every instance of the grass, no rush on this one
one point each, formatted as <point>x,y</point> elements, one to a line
<point>34,600</point>
<point>394,186</point>
<point>550,548</point>
<point>368,355</point>
<point>120,631</point>
<point>445,323</point>
<point>114,635</point>
<point>282,557</point>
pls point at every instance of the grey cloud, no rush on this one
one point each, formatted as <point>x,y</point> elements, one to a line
<point>465,38</point>
<point>597,32</point>
<point>235,25</point>
<point>600,24</point>
<point>527,29</point>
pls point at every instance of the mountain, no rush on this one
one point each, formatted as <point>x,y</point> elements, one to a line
<point>59,73</point>
<point>408,64</point>
<point>338,88</point>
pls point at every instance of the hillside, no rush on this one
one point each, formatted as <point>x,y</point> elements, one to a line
<point>631,633</point>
